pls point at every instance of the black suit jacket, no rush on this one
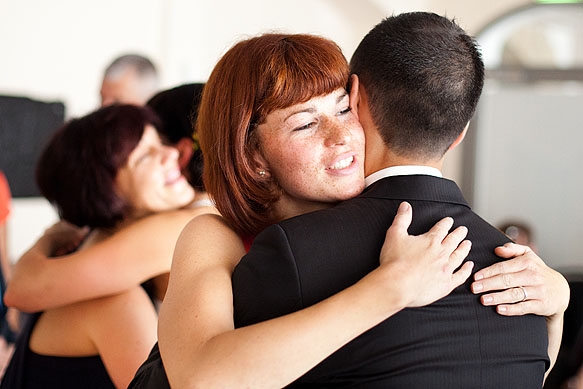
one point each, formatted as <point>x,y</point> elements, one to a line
<point>454,343</point>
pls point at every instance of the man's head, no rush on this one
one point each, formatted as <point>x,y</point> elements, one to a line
<point>129,79</point>
<point>422,76</point>
<point>178,109</point>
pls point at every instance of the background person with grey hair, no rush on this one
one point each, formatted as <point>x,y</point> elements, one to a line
<point>129,79</point>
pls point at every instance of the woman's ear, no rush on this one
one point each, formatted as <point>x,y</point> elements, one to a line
<point>262,167</point>
<point>354,97</point>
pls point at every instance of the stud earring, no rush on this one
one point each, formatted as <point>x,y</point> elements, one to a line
<point>262,173</point>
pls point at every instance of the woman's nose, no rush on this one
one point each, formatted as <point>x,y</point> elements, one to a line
<point>170,154</point>
<point>336,133</point>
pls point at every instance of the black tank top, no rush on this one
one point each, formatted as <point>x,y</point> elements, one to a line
<point>29,370</point>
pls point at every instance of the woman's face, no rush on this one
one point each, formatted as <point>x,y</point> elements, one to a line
<point>151,180</point>
<point>314,150</point>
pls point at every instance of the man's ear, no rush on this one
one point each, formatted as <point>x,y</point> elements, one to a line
<point>185,151</point>
<point>354,96</point>
<point>460,138</point>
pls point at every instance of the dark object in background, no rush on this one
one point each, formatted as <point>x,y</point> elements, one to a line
<point>25,126</point>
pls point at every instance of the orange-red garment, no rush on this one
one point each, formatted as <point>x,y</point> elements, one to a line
<point>5,198</point>
<point>248,241</point>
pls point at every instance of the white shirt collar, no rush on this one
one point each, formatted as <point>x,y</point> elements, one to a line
<point>402,171</point>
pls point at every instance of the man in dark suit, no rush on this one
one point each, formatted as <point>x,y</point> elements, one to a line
<point>419,78</point>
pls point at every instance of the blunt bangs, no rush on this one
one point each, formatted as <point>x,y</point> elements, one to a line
<point>315,64</point>
<point>255,77</point>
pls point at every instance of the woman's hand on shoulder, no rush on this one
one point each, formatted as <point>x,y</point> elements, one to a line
<point>63,238</point>
<point>425,265</point>
<point>522,285</point>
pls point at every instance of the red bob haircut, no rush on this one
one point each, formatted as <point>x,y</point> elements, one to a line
<point>254,78</point>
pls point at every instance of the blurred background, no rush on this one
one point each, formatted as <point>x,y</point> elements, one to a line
<point>520,162</point>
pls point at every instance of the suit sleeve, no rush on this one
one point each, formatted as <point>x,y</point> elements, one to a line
<point>265,282</point>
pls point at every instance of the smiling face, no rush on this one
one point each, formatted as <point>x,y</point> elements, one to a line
<point>314,151</point>
<point>151,180</point>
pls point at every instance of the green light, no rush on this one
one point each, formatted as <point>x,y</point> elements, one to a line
<point>559,1</point>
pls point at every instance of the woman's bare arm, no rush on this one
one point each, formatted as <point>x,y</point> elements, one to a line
<point>201,348</point>
<point>129,257</point>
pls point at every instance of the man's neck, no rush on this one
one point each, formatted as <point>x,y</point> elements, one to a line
<point>375,163</point>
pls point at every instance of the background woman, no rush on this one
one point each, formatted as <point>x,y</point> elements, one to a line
<point>136,252</point>
<point>105,170</point>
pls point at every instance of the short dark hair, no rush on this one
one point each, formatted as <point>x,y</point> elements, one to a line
<point>77,169</point>
<point>423,76</point>
<point>177,108</point>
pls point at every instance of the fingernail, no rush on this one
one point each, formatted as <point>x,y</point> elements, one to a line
<point>478,276</point>
<point>487,299</point>
<point>477,287</point>
<point>502,309</point>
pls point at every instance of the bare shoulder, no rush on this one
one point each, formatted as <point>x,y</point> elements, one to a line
<point>100,314</point>
<point>161,225</point>
<point>208,241</point>
<point>213,223</point>
<point>179,216</point>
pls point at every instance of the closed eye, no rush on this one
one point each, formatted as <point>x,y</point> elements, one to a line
<point>306,127</point>
<point>345,111</point>
<point>144,157</point>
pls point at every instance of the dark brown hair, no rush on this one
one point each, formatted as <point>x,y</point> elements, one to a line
<point>177,108</point>
<point>76,171</point>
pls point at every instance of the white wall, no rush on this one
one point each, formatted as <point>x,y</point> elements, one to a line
<point>57,50</point>
<point>528,164</point>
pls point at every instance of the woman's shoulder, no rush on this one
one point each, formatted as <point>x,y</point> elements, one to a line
<point>211,223</point>
<point>183,214</point>
<point>170,222</point>
<point>208,240</point>
<point>74,325</point>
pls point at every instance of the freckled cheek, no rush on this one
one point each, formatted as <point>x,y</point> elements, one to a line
<point>358,138</point>
<point>295,178</point>
<point>289,158</point>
